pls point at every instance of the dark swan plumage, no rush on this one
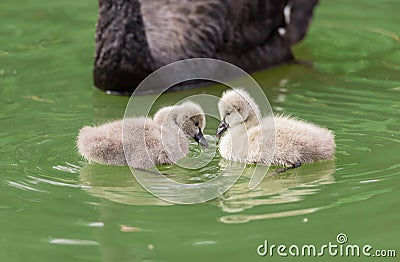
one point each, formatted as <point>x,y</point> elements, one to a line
<point>136,37</point>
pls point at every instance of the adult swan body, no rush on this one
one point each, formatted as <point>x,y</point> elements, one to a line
<point>136,37</point>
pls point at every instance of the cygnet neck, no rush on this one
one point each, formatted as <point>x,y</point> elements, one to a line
<point>170,120</point>
<point>252,120</point>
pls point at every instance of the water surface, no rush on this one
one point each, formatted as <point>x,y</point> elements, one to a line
<point>55,206</point>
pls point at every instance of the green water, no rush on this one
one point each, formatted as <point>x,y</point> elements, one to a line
<point>56,207</point>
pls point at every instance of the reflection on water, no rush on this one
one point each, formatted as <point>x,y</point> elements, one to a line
<point>117,184</point>
<point>285,187</point>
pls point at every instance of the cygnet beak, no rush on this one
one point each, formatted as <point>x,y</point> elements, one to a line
<point>199,137</point>
<point>223,126</point>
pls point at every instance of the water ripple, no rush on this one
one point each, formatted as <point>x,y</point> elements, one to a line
<point>23,186</point>
<point>74,242</point>
<point>237,219</point>
<point>71,168</point>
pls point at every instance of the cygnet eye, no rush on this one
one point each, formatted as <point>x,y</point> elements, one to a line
<point>196,123</point>
<point>228,113</point>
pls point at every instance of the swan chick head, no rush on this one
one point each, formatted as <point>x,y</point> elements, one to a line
<point>188,116</point>
<point>192,121</point>
<point>237,107</point>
